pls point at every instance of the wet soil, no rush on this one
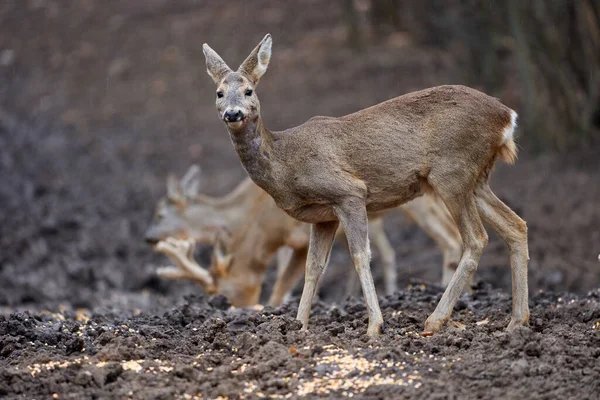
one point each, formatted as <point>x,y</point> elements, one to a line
<point>99,101</point>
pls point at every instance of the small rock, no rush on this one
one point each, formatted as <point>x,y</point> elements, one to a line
<point>219,302</point>
<point>74,345</point>
<point>520,366</point>
<point>83,378</point>
<point>533,349</point>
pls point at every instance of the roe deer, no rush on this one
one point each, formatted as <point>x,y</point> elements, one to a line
<point>331,171</point>
<point>185,214</point>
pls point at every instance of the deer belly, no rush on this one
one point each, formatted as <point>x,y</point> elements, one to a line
<point>313,213</point>
<point>391,197</point>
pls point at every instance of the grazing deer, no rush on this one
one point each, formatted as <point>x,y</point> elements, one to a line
<point>331,171</point>
<point>239,275</point>
<point>259,228</point>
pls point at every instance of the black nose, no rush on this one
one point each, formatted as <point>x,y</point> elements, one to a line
<point>233,116</point>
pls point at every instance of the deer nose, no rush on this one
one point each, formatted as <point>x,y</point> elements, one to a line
<point>151,236</point>
<point>151,239</point>
<point>233,115</point>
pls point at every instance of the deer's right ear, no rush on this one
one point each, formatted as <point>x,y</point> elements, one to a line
<point>257,62</point>
<point>190,183</point>
<point>215,66</point>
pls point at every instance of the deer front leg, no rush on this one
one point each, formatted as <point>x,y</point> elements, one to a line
<point>289,276</point>
<point>321,240</point>
<point>353,217</point>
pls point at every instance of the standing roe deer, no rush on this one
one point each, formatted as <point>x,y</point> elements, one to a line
<point>183,214</point>
<point>329,171</point>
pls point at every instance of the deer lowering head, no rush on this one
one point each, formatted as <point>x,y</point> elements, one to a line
<point>239,261</point>
<point>334,171</point>
<point>184,213</point>
<point>242,288</point>
<point>171,218</point>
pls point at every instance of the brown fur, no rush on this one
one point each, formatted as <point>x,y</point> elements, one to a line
<point>330,171</point>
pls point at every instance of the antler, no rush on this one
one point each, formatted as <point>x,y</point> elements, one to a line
<point>181,252</point>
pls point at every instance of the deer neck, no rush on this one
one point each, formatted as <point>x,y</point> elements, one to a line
<point>254,145</point>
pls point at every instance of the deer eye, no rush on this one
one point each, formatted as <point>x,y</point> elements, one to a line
<point>248,92</point>
<point>219,94</point>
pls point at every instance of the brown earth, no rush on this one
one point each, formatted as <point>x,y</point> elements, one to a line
<point>202,348</point>
<point>99,100</point>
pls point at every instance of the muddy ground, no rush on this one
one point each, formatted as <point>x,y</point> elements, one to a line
<point>203,349</point>
<point>99,101</point>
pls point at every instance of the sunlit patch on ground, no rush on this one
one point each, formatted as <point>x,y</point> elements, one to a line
<point>137,366</point>
<point>337,371</point>
<point>353,374</point>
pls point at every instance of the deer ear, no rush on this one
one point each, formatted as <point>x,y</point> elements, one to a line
<point>257,62</point>
<point>190,183</point>
<point>173,189</point>
<point>215,66</point>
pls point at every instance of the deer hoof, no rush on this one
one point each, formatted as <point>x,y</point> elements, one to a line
<point>432,325</point>
<point>375,329</point>
<point>515,322</point>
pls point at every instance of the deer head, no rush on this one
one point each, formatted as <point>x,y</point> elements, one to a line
<point>171,215</point>
<point>236,101</point>
<point>242,288</point>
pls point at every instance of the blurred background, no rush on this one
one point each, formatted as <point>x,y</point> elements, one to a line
<point>101,99</point>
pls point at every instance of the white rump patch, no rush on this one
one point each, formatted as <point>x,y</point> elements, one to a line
<point>508,132</point>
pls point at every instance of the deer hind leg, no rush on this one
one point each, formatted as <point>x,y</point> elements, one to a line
<point>288,276</point>
<point>464,211</point>
<point>319,248</point>
<point>431,215</point>
<point>513,231</point>
<point>284,255</point>
<point>387,254</point>
<point>353,217</point>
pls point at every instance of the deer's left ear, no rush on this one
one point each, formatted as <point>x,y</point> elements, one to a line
<point>257,62</point>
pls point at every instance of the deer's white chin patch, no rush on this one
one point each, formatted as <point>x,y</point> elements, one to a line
<point>235,124</point>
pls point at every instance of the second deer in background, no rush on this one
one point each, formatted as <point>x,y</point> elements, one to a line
<point>258,230</point>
